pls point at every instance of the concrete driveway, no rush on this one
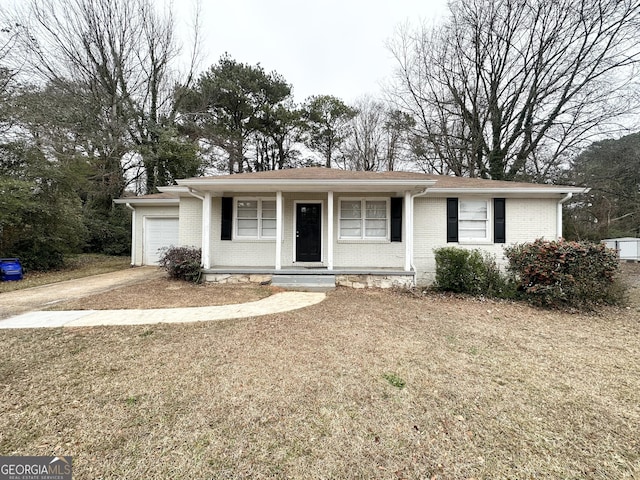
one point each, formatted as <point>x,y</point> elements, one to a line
<point>37,298</point>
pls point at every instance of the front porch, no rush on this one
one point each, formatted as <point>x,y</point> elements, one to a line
<point>353,227</point>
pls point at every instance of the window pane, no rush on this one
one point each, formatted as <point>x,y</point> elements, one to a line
<point>376,209</point>
<point>350,209</point>
<point>248,209</point>
<point>473,235</point>
<point>268,228</point>
<point>473,210</point>
<point>350,228</point>
<point>376,228</point>
<point>473,229</point>
<point>247,227</point>
<point>268,209</point>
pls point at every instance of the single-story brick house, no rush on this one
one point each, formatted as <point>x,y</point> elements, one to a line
<point>361,228</point>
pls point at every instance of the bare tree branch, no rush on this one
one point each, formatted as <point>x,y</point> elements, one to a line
<point>506,88</point>
<point>121,53</point>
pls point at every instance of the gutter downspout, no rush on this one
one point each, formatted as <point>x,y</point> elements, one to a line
<point>192,192</point>
<point>410,227</point>
<point>559,215</point>
<point>133,233</point>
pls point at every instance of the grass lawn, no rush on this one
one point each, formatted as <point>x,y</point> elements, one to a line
<point>367,384</point>
<point>77,266</point>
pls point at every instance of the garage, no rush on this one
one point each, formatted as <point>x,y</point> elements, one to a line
<point>159,232</point>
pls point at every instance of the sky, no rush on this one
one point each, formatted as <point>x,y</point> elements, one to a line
<point>324,47</point>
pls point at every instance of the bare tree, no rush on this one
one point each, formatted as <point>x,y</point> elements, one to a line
<point>118,54</point>
<point>9,33</point>
<point>378,137</point>
<point>506,88</point>
<point>365,147</point>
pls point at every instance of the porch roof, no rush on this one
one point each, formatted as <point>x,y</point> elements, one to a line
<point>313,179</point>
<point>318,179</point>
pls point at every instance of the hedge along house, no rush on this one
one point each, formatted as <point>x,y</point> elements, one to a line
<point>355,228</point>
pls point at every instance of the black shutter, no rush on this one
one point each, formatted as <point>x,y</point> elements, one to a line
<point>499,221</point>
<point>227,218</point>
<point>452,219</point>
<point>396,219</point>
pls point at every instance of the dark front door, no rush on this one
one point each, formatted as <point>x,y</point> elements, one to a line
<point>308,232</point>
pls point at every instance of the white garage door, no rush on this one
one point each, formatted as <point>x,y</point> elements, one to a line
<point>158,233</point>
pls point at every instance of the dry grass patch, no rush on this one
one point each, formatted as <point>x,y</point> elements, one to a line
<point>631,274</point>
<point>168,293</point>
<point>367,384</point>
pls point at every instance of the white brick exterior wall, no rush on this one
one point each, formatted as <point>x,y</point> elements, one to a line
<point>190,234</point>
<point>526,220</point>
<point>238,253</point>
<point>365,253</point>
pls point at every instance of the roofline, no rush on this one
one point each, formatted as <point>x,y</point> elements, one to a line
<point>305,181</point>
<point>147,201</point>
<point>187,186</point>
<point>173,189</point>
<point>519,190</point>
<point>230,184</point>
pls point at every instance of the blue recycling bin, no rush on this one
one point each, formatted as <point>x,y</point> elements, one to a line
<point>10,269</point>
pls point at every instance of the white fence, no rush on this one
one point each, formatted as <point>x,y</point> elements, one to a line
<point>628,248</point>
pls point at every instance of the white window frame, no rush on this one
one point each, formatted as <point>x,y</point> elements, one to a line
<point>363,208</point>
<point>488,221</point>
<point>259,200</point>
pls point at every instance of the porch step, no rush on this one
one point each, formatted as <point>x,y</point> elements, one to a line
<point>304,282</point>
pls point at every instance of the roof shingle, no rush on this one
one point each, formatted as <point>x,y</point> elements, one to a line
<point>320,173</point>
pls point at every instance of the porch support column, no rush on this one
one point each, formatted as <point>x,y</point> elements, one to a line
<point>279,213</point>
<point>408,231</point>
<point>329,230</point>
<point>206,230</point>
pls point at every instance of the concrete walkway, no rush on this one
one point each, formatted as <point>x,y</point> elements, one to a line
<point>277,303</point>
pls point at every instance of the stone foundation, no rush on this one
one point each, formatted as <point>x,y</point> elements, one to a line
<point>375,281</point>
<point>236,278</point>
<point>353,281</point>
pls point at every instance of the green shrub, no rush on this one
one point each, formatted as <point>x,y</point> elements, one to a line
<point>470,271</point>
<point>108,233</point>
<point>495,282</point>
<point>38,254</point>
<point>566,274</point>
<point>182,263</point>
